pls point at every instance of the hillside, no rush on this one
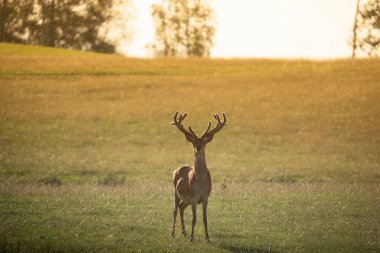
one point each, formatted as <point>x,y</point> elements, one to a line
<point>87,152</point>
<point>76,115</point>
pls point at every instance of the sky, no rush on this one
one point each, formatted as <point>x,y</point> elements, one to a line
<point>316,29</point>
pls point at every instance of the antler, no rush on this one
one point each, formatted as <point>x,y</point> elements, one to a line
<point>178,124</point>
<point>219,125</point>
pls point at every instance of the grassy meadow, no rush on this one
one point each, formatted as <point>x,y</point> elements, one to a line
<point>87,152</point>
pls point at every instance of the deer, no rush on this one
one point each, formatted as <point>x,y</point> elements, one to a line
<point>192,185</point>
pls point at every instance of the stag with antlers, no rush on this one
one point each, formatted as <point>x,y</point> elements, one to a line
<point>193,185</point>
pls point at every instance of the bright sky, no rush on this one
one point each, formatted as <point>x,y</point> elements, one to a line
<point>271,28</point>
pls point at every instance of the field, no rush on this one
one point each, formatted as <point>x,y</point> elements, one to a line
<point>87,152</point>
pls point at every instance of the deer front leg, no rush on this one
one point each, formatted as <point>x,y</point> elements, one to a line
<point>182,207</point>
<point>176,204</point>
<point>204,206</point>
<point>194,209</point>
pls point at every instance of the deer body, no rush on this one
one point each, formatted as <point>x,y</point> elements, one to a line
<point>193,185</point>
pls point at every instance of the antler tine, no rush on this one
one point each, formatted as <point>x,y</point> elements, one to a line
<point>191,130</point>
<point>224,118</point>
<point>178,124</point>
<point>219,125</point>
<point>174,119</point>
<point>182,117</point>
<point>208,128</point>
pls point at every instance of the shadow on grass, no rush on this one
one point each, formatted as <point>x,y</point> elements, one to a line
<point>242,249</point>
<point>53,181</point>
<point>9,246</point>
<point>235,247</point>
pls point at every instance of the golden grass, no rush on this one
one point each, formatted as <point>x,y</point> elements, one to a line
<point>82,115</point>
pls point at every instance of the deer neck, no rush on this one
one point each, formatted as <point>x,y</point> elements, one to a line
<point>200,166</point>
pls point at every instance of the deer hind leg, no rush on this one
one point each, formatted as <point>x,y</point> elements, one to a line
<point>175,211</point>
<point>204,206</point>
<point>194,209</point>
<point>182,207</point>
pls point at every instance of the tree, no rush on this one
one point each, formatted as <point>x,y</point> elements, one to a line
<point>366,36</point>
<point>57,23</point>
<point>354,30</point>
<point>14,20</point>
<point>183,28</point>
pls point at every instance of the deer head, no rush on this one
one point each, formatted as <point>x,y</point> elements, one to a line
<point>199,144</point>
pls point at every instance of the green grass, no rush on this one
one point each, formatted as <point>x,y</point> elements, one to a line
<point>243,218</point>
<point>87,151</point>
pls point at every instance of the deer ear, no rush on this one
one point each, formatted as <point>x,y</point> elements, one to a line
<point>189,138</point>
<point>209,138</point>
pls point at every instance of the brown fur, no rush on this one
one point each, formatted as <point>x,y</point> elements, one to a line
<point>193,185</point>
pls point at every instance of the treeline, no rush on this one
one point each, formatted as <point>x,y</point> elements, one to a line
<point>182,27</point>
<point>72,24</point>
<point>366,30</point>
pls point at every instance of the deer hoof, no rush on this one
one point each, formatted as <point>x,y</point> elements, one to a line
<point>191,239</point>
<point>172,234</point>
